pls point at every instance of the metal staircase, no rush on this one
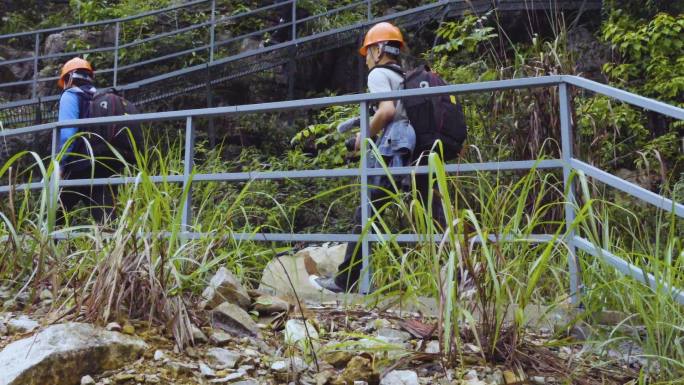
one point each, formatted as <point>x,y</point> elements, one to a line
<point>218,59</point>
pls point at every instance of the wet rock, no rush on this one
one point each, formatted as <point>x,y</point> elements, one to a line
<point>224,287</point>
<point>269,304</point>
<point>234,320</point>
<point>198,336</point>
<point>22,325</point>
<point>393,336</point>
<point>220,338</point>
<point>64,353</point>
<point>539,380</point>
<point>400,377</point>
<point>320,261</point>
<point>159,355</point>
<point>87,380</point>
<point>220,358</point>
<point>152,379</point>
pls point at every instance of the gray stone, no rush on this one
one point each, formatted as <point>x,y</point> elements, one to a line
<point>45,294</point>
<point>197,335</point>
<point>269,304</point>
<point>400,377</point>
<point>159,355</point>
<point>295,363</point>
<point>180,368</point>
<point>22,325</point>
<point>319,261</point>
<point>432,347</point>
<point>206,370</point>
<point>220,358</point>
<point>220,338</point>
<point>234,320</point>
<point>393,336</point>
<point>229,378</point>
<point>224,287</point>
<point>87,380</point>
<point>62,354</point>
<point>295,331</point>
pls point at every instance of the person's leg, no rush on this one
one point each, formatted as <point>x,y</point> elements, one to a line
<point>423,188</point>
<point>349,271</point>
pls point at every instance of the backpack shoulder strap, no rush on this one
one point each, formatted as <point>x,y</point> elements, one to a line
<point>392,67</point>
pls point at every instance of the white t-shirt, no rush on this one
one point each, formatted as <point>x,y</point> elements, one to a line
<point>386,80</point>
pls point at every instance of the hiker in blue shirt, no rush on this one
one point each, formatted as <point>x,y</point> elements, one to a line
<point>76,79</point>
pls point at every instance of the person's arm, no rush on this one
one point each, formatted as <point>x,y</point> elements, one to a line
<point>379,82</point>
<point>68,110</point>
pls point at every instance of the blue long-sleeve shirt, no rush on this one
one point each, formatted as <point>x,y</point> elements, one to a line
<point>69,109</point>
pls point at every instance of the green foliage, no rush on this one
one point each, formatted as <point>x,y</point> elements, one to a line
<point>464,36</point>
<point>651,55</point>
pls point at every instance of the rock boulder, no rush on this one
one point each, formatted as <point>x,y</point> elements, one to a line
<point>223,287</point>
<point>63,354</point>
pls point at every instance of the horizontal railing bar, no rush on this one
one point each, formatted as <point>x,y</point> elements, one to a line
<point>250,34</point>
<point>28,102</point>
<point>162,58</point>
<point>105,22</point>
<point>165,34</point>
<point>625,96</point>
<point>627,268</point>
<point>299,174</point>
<point>495,85</point>
<point>317,237</point>
<point>253,11</point>
<point>629,188</point>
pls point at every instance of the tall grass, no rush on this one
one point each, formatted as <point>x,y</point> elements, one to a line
<point>487,268</point>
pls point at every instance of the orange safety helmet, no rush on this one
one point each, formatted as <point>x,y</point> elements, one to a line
<point>379,33</point>
<point>72,65</point>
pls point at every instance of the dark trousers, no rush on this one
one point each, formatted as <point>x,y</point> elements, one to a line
<point>99,199</point>
<point>349,270</point>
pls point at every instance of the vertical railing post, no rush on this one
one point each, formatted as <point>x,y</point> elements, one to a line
<point>36,52</point>
<point>186,216</point>
<point>568,187</point>
<point>53,196</point>
<point>365,267</point>
<point>294,20</point>
<point>212,31</point>
<point>116,52</point>
<point>369,10</point>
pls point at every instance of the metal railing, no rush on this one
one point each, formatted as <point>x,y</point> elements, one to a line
<point>210,46</point>
<point>568,163</point>
<point>206,56</point>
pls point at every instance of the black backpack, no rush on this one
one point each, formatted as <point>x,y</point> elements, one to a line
<point>109,103</point>
<point>433,117</point>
